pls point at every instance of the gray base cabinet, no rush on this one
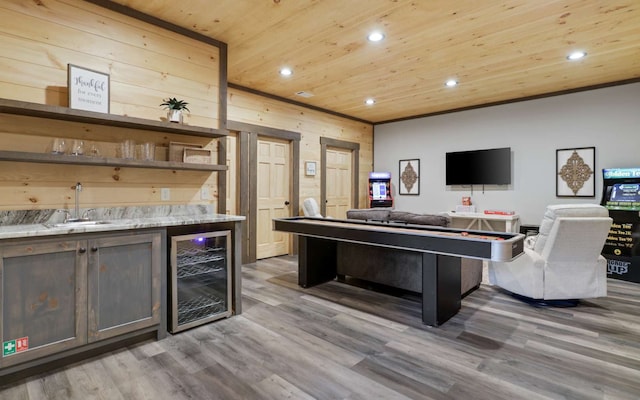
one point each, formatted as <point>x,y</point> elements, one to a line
<point>124,284</point>
<point>42,299</point>
<point>61,294</point>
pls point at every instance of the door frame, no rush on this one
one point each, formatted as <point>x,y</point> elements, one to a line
<point>355,170</point>
<point>247,197</point>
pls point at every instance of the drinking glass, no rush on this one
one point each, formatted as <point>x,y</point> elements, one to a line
<point>127,149</point>
<point>148,151</point>
<point>94,150</point>
<point>59,146</point>
<point>77,148</point>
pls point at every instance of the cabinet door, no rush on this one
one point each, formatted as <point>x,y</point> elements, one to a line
<point>43,298</point>
<point>124,284</point>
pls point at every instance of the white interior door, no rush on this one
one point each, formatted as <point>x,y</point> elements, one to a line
<point>273,197</point>
<point>338,193</point>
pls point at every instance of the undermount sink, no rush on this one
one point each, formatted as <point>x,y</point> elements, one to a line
<point>79,223</point>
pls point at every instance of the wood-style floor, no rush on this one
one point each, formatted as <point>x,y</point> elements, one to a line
<point>337,341</point>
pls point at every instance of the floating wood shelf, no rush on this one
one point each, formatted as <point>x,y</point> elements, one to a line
<point>68,114</point>
<point>20,156</point>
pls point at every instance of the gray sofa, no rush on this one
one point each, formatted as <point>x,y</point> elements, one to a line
<point>402,271</point>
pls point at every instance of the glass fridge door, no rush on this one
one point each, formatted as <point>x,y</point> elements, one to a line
<point>200,276</point>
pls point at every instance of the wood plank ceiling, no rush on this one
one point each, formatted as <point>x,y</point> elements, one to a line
<point>498,50</point>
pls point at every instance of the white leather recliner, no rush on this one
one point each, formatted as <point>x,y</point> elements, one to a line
<point>310,208</point>
<point>563,262</point>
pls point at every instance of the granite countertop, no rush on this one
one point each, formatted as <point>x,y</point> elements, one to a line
<point>40,223</point>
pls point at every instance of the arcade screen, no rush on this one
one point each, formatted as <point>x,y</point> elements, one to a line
<point>624,196</point>
<point>378,190</point>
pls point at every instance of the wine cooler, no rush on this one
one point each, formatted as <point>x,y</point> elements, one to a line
<point>200,290</point>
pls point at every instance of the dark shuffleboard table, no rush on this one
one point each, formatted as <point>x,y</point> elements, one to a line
<point>440,251</point>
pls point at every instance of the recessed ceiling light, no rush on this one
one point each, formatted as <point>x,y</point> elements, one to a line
<point>451,83</point>
<point>370,102</point>
<point>576,55</point>
<point>375,36</point>
<point>286,72</point>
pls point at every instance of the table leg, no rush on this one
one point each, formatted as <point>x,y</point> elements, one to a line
<point>440,288</point>
<point>316,261</point>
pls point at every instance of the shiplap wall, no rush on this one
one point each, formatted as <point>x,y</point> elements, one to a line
<point>312,125</point>
<point>146,64</point>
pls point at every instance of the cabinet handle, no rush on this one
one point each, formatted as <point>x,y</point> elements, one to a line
<point>286,203</point>
<point>94,249</point>
<point>82,250</point>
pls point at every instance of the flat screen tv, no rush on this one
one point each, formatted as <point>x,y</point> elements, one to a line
<point>479,167</point>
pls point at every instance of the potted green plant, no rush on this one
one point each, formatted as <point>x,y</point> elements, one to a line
<point>175,107</point>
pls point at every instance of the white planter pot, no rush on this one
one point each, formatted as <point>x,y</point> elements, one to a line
<point>175,116</point>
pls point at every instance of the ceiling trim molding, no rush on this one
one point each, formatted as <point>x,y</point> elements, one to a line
<point>296,103</point>
<point>131,12</point>
<point>498,103</point>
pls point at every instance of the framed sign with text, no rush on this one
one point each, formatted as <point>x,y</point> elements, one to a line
<point>310,168</point>
<point>88,89</point>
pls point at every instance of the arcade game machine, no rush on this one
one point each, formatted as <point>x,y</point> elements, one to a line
<point>380,189</point>
<point>621,196</point>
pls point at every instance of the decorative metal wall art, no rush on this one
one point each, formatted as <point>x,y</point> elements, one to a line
<point>409,177</point>
<point>575,172</point>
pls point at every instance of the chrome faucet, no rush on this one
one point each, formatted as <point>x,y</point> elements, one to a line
<point>68,217</point>
<point>77,209</point>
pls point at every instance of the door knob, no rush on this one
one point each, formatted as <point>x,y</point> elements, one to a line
<point>286,203</point>
<point>82,250</point>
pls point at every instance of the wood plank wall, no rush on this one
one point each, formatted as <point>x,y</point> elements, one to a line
<point>145,63</point>
<point>258,110</point>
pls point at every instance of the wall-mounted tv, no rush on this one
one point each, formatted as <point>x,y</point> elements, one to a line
<point>479,167</point>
